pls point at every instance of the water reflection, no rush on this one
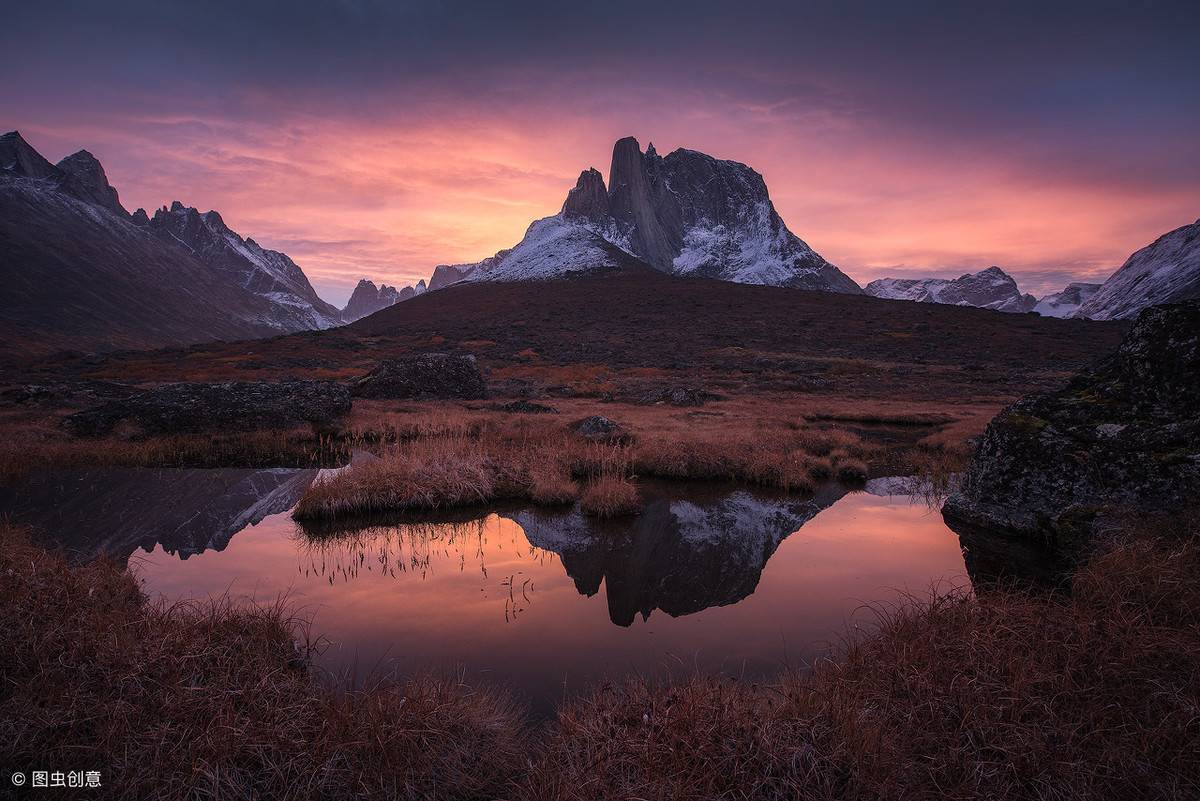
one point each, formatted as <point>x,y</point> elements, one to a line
<point>710,578</point>
<point>114,511</point>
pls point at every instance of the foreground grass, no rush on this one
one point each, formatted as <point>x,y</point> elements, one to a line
<point>204,701</point>
<point>1091,695</point>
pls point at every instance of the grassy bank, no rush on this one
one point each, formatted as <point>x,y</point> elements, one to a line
<point>464,459</point>
<point>734,439</point>
<point>1091,695</point>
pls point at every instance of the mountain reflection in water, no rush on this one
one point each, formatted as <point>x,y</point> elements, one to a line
<point>705,577</point>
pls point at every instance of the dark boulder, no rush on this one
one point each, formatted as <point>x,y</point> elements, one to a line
<point>524,407</point>
<point>600,429</point>
<point>1124,435</point>
<point>675,396</point>
<point>227,406</point>
<point>425,376</point>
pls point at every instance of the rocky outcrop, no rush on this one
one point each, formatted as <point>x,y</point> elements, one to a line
<point>987,289</point>
<point>425,376</point>
<point>226,406</point>
<point>687,214</point>
<point>446,274</point>
<point>1165,271</point>
<point>1066,302</point>
<point>589,198</point>
<point>524,407</point>
<point>1122,435</point>
<point>597,428</point>
<point>674,396</point>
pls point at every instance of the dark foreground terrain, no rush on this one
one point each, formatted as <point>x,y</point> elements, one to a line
<point>606,335</point>
<point>1006,693</point>
<point>662,356</point>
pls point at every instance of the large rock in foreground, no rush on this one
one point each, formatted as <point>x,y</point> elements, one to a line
<point>227,406</point>
<point>1122,435</point>
<point>427,376</point>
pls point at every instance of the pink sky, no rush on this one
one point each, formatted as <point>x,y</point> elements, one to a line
<point>388,198</point>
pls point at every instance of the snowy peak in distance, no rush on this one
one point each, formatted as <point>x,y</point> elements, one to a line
<point>1066,302</point>
<point>987,289</point>
<point>1165,271</point>
<point>685,214</point>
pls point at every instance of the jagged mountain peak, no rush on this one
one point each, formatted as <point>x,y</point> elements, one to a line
<point>20,158</point>
<point>688,214</point>
<point>367,298</point>
<point>84,178</point>
<point>589,197</point>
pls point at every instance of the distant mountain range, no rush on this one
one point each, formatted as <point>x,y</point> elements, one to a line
<point>988,289</point>
<point>1165,271</point>
<point>79,271</point>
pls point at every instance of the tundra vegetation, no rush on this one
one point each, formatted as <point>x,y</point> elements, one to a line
<point>1087,693</point>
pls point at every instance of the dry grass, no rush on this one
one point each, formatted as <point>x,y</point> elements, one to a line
<point>610,496</point>
<point>204,701</point>
<point>463,457</point>
<point>1092,695</point>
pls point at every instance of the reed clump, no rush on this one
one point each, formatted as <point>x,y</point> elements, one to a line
<point>609,496</point>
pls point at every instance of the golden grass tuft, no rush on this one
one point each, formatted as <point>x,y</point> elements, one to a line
<point>610,496</point>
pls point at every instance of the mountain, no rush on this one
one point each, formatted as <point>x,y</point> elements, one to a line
<point>446,274</point>
<point>1165,271</point>
<point>1067,301</point>
<point>80,272</point>
<point>988,289</point>
<point>686,214</point>
<point>368,298</point>
<point>268,274</point>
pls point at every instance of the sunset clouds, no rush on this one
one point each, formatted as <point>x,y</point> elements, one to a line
<point>379,139</point>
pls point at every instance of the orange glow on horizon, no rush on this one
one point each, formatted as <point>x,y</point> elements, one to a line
<point>390,199</point>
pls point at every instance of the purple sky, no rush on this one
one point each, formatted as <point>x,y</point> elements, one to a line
<point>380,138</point>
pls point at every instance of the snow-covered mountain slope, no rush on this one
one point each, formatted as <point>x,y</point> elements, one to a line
<point>554,247</point>
<point>81,272</point>
<point>1165,271</point>
<point>1067,301</point>
<point>988,289</point>
<point>368,298</point>
<point>266,273</point>
<point>687,214</point>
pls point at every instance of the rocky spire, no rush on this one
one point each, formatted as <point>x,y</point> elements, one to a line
<point>589,198</point>
<point>632,203</point>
